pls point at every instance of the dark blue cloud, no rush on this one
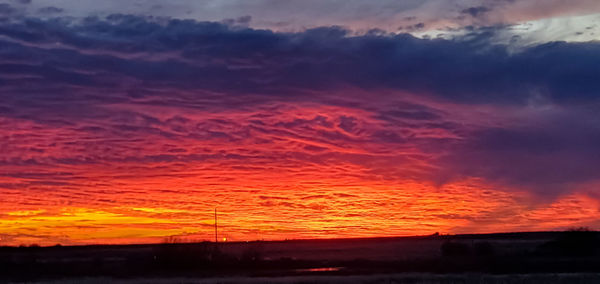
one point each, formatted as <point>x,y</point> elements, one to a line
<point>476,11</point>
<point>550,157</point>
<point>23,2</point>
<point>219,57</point>
<point>6,10</point>
<point>50,10</point>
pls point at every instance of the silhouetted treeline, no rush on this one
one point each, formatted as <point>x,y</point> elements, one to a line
<point>576,250</point>
<point>579,242</point>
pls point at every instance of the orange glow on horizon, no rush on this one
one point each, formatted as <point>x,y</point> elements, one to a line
<point>272,179</point>
<point>310,213</point>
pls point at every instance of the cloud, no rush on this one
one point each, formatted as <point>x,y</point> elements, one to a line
<point>50,10</point>
<point>6,10</point>
<point>357,15</point>
<point>476,11</point>
<point>86,65</point>
<point>155,112</point>
<point>216,57</point>
<point>553,156</point>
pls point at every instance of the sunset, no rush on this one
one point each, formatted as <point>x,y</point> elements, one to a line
<point>130,122</point>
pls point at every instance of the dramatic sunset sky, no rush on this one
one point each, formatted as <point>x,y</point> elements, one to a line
<point>130,121</point>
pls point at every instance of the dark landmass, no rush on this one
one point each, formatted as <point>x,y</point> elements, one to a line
<point>576,251</point>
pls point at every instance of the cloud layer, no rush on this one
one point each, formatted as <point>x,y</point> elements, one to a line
<point>149,123</point>
<point>530,20</point>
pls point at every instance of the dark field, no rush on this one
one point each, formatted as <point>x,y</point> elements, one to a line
<point>542,257</point>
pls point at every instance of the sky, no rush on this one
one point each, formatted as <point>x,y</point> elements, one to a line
<point>131,121</point>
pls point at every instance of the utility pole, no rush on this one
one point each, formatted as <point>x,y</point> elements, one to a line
<point>216,240</point>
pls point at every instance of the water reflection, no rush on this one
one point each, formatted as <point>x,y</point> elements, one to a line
<point>319,269</point>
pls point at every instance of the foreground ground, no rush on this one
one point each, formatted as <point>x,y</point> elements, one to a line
<point>580,278</point>
<point>543,257</point>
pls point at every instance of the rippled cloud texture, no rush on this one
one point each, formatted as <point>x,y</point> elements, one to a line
<point>128,128</point>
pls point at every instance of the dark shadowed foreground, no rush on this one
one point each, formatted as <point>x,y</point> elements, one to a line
<point>543,257</point>
<point>377,278</point>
